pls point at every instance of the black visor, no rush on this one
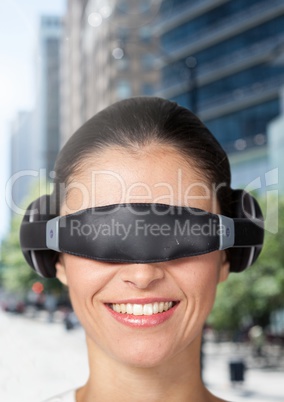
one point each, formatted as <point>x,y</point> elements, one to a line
<point>139,233</point>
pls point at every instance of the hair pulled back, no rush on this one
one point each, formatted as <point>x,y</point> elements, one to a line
<point>137,122</point>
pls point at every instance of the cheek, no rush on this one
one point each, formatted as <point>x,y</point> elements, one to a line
<point>85,279</point>
<point>199,279</point>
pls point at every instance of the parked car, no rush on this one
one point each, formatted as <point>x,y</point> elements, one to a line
<point>14,305</point>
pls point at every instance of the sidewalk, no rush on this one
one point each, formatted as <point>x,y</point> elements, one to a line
<point>260,385</point>
<point>35,353</point>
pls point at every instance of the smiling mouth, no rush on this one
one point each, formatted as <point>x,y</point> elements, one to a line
<point>142,309</point>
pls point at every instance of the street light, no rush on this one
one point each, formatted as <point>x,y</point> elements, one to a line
<point>118,53</point>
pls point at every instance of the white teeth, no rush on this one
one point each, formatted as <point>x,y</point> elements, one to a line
<point>148,309</point>
<point>129,308</point>
<point>137,309</point>
<point>142,309</point>
<point>156,308</point>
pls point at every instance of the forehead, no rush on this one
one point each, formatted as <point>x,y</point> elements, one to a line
<point>155,173</point>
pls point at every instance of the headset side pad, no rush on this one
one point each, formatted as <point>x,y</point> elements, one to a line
<point>244,205</point>
<point>41,261</point>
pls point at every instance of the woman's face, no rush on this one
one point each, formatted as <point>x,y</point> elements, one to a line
<point>144,338</point>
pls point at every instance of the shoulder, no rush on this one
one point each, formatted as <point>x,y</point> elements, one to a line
<point>68,396</point>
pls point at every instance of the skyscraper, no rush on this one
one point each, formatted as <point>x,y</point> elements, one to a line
<point>47,110</point>
<point>219,58</point>
<point>106,56</point>
<point>35,135</point>
<point>235,83</point>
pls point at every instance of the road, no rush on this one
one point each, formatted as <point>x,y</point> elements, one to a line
<point>38,360</point>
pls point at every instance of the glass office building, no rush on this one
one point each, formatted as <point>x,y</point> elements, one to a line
<point>221,59</point>
<point>47,111</point>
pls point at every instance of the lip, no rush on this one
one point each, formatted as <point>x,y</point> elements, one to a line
<point>142,321</point>
<point>146,300</point>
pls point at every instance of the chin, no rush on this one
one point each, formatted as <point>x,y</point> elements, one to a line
<point>145,360</point>
<point>149,353</point>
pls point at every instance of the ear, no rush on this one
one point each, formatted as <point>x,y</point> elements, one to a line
<point>61,271</point>
<point>224,267</point>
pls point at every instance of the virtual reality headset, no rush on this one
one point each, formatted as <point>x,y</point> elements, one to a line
<point>141,233</point>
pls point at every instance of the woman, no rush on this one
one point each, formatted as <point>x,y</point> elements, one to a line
<point>143,321</point>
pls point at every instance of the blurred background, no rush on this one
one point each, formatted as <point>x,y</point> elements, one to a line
<point>64,60</point>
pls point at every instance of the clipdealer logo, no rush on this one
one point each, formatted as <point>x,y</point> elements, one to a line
<point>269,186</point>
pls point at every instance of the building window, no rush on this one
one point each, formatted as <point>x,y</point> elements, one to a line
<point>245,128</point>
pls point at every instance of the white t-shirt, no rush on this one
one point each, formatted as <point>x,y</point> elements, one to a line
<point>69,396</point>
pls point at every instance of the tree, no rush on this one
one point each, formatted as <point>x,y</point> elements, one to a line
<point>251,296</point>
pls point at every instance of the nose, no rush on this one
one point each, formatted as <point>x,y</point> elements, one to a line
<point>142,276</point>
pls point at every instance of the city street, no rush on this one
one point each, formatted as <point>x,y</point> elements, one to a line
<point>260,385</point>
<point>39,360</point>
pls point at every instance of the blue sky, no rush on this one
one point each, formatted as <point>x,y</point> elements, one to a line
<point>19,23</point>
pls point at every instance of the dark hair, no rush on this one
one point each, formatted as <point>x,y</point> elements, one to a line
<point>136,122</point>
